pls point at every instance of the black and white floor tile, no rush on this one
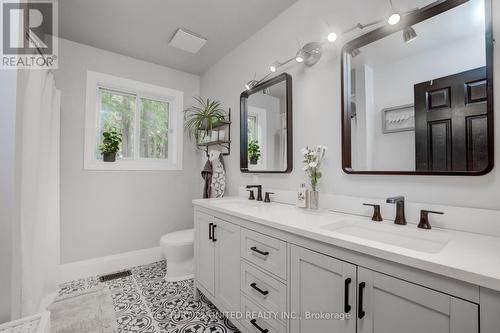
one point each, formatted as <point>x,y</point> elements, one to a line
<point>146,303</point>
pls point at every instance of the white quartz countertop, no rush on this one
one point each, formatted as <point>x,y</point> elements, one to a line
<point>468,257</point>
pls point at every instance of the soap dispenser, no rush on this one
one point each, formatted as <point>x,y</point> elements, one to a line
<point>302,196</point>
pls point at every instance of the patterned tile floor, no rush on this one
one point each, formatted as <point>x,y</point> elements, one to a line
<point>145,302</point>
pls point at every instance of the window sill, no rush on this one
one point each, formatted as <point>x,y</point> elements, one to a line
<point>121,165</point>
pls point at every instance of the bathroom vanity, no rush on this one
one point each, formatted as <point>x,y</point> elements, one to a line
<point>292,270</point>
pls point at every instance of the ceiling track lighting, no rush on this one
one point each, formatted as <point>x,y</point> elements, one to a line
<point>409,34</point>
<point>395,17</point>
<point>311,53</point>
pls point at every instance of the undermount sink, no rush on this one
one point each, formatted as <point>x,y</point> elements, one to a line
<point>428,241</point>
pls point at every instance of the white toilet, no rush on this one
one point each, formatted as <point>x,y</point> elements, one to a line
<point>177,247</point>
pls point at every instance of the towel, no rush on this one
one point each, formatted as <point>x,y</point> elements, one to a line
<point>218,182</point>
<point>206,174</point>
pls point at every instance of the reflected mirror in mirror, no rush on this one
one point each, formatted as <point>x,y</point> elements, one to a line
<point>266,127</point>
<point>418,95</point>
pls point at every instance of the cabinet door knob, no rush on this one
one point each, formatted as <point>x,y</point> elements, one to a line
<point>255,249</point>
<point>254,323</point>
<point>263,292</point>
<point>361,312</point>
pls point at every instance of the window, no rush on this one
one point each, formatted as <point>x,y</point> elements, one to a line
<point>148,117</point>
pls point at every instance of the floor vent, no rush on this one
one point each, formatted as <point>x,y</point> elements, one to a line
<point>115,276</point>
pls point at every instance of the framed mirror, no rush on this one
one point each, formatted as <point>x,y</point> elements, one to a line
<point>266,127</point>
<point>417,96</point>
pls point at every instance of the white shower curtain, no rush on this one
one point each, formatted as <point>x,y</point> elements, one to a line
<point>39,188</point>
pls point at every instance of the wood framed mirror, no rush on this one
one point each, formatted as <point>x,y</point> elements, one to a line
<point>417,96</point>
<point>266,132</point>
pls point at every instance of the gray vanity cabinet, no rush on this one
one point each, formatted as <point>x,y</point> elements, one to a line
<point>321,285</point>
<point>227,264</point>
<point>392,305</point>
<point>217,259</point>
<point>205,252</point>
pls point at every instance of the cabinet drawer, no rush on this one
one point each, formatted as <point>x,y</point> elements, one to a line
<point>257,320</point>
<point>266,252</point>
<point>263,289</point>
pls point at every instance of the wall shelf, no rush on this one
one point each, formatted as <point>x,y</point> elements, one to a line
<point>224,142</point>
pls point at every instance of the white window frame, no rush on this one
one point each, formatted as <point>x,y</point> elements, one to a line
<point>175,98</point>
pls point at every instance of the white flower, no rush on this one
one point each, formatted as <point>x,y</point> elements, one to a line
<point>313,164</point>
<point>305,168</point>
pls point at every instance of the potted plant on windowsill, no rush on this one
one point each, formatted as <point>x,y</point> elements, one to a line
<point>200,119</point>
<point>110,145</point>
<point>253,152</point>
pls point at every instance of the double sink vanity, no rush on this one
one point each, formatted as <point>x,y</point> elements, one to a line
<point>287,269</point>
<point>417,99</point>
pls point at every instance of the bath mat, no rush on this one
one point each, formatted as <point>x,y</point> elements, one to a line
<point>88,311</point>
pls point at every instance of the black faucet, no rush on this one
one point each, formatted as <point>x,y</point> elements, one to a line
<point>400,209</point>
<point>259,191</point>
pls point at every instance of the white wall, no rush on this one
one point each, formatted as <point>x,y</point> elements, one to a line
<point>110,212</point>
<point>317,108</point>
<point>8,82</point>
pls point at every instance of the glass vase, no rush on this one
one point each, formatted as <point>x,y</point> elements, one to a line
<point>313,199</point>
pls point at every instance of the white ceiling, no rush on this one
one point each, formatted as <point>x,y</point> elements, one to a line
<point>142,29</point>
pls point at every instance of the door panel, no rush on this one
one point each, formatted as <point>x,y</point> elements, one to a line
<point>227,264</point>
<point>394,306</point>
<point>205,252</point>
<point>451,123</point>
<point>318,286</point>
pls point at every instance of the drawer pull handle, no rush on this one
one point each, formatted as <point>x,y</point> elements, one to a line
<point>210,231</point>
<point>347,306</point>
<point>254,323</point>
<point>254,249</point>
<point>361,312</point>
<point>263,292</point>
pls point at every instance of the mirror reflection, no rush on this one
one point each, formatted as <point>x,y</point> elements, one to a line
<point>419,98</point>
<point>266,110</point>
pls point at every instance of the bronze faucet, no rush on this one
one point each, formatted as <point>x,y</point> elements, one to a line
<point>400,209</point>
<point>259,191</point>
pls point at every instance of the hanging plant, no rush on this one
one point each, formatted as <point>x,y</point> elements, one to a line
<point>200,119</point>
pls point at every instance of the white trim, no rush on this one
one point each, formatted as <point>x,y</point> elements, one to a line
<point>104,265</point>
<point>175,99</point>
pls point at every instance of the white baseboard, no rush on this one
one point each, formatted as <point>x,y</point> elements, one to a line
<point>104,265</point>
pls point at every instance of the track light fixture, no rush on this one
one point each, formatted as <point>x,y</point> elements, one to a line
<point>332,37</point>
<point>395,17</point>
<point>310,53</point>
<point>409,34</point>
<point>250,84</point>
<point>274,66</point>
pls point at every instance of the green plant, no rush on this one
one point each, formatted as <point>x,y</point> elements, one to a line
<point>111,141</point>
<point>253,150</point>
<point>199,119</point>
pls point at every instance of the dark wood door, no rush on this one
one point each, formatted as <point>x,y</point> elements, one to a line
<point>451,123</point>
